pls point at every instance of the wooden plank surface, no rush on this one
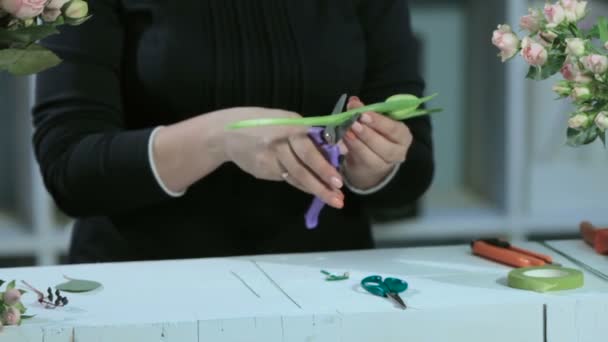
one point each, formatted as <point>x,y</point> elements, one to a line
<point>453,295</point>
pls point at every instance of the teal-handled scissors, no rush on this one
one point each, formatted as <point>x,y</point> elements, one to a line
<point>387,287</point>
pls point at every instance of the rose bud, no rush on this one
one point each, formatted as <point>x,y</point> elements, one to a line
<point>12,316</point>
<point>531,21</point>
<point>505,40</point>
<point>581,93</point>
<point>575,46</point>
<point>554,14</point>
<point>77,9</point>
<point>578,121</point>
<point>12,297</point>
<point>562,88</point>
<point>601,120</point>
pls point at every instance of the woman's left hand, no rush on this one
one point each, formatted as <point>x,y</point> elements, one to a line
<point>376,144</point>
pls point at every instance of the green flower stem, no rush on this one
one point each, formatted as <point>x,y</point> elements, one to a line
<point>398,107</point>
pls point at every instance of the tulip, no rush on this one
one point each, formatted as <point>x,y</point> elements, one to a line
<point>76,9</point>
<point>533,53</point>
<point>575,46</point>
<point>555,15</point>
<point>531,21</point>
<point>601,120</point>
<point>596,64</point>
<point>23,9</point>
<point>505,40</point>
<point>12,316</point>
<point>12,297</point>
<point>581,93</point>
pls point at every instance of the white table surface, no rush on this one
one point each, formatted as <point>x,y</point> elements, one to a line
<point>453,296</point>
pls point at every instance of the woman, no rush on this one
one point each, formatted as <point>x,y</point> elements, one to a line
<point>130,128</point>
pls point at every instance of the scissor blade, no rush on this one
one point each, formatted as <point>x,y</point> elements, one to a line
<point>331,131</point>
<point>398,299</point>
<point>339,107</point>
<point>344,127</point>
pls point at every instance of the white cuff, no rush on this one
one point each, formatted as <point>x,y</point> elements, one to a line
<point>376,188</point>
<point>153,166</point>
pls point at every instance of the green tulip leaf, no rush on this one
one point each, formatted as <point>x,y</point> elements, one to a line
<point>398,107</point>
<point>78,285</point>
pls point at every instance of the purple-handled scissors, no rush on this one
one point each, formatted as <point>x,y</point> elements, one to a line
<point>327,139</point>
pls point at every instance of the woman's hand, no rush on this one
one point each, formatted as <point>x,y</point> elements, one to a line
<point>280,153</point>
<point>376,144</point>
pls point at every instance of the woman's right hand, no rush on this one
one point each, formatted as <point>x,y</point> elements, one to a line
<point>279,153</point>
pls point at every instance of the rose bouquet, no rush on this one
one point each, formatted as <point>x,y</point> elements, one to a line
<point>24,22</point>
<point>554,41</point>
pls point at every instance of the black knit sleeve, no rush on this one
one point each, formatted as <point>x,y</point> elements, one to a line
<point>393,68</point>
<point>90,164</point>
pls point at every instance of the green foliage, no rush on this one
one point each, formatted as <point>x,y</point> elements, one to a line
<point>579,137</point>
<point>29,60</point>
<point>554,63</point>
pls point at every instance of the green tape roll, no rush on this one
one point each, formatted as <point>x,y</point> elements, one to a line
<point>545,278</point>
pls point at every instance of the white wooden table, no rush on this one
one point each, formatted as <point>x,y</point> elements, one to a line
<point>453,296</point>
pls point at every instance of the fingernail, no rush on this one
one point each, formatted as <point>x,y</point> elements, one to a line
<point>335,181</point>
<point>355,98</point>
<point>350,135</point>
<point>339,203</point>
<point>357,127</point>
<point>366,118</point>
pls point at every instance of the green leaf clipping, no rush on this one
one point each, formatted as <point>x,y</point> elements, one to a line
<point>11,285</point>
<point>27,316</point>
<point>78,285</point>
<point>333,277</point>
<point>2,282</point>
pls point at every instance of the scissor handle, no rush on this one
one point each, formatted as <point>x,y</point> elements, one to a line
<point>395,285</point>
<point>332,153</point>
<point>375,285</point>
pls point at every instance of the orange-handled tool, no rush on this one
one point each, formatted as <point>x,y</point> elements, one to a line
<point>503,252</point>
<point>596,238</point>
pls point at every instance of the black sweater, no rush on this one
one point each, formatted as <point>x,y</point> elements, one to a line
<point>138,64</point>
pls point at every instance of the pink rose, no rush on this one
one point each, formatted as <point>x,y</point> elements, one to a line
<point>505,40</point>
<point>571,72</point>
<point>23,9</point>
<point>56,4</point>
<point>12,316</point>
<point>596,64</point>
<point>531,22</point>
<point>12,297</point>
<point>555,14</point>
<point>533,52</point>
